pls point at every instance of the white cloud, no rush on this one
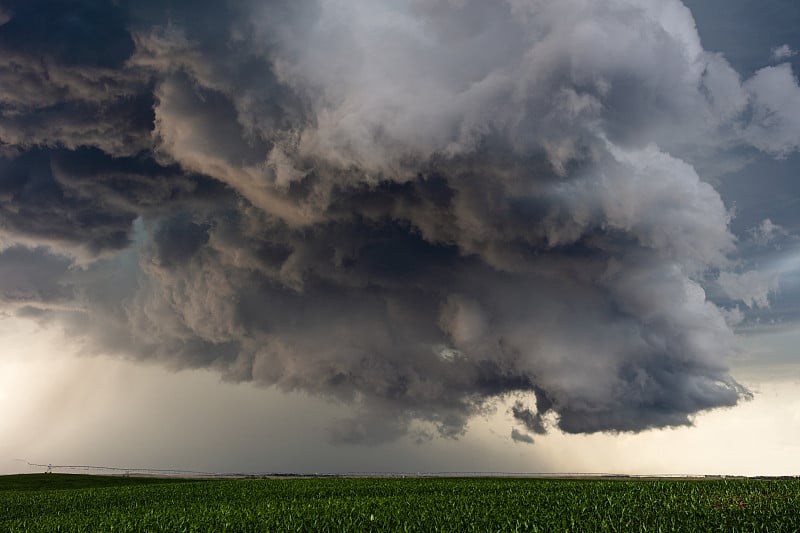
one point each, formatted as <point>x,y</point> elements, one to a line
<point>775,100</point>
<point>767,232</point>
<point>752,288</point>
<point>733,316</point>
<point>783,52</point>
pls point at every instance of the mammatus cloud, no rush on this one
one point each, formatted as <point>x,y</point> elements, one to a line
<point>412,207</point>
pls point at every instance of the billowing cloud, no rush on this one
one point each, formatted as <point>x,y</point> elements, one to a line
<point>63,81</point>
<point>775,99</point>
<point>412,207</point>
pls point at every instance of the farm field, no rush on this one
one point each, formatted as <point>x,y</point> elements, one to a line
<point>64,502</point>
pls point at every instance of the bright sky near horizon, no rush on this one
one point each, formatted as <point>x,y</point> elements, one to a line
<point>404,235</point>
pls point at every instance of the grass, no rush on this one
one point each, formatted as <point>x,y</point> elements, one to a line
<point>93,503</point>
<point>39,482</point>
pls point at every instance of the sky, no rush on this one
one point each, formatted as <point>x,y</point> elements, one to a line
<point>400,236</point>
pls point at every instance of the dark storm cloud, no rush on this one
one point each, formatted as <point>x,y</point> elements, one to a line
<point>35,207</point>
<point>33,276</point>
<point>518,436</point>
<point>64,80</point>
<point>412,207</point>
<point>68,32</point>
<point>532,421</point>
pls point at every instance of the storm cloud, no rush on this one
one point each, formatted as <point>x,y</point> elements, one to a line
<point>414,208</point>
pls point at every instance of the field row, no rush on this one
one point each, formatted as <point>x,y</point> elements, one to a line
<point>439,504</point>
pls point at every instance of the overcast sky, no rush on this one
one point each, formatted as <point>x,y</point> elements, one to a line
<point>400,235</point>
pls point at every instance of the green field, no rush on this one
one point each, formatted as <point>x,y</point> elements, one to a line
<point>62,502</point>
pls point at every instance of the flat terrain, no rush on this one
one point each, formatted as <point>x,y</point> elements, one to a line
<point>66,502</point>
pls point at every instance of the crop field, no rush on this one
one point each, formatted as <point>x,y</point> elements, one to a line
<point>63,502</point>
